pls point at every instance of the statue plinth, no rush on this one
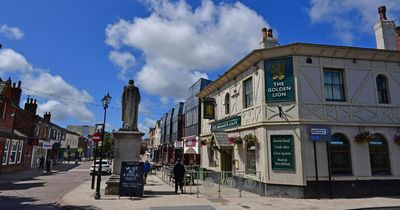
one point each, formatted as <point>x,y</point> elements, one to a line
<point>126,148</point>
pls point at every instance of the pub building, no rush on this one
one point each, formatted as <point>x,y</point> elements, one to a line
<point>283,114</point>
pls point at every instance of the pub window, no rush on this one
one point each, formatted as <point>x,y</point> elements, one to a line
<point>379,155</point>
<point>382,87</point>
<point>248,93</point>
<point>334,85</point>
<point>13,151</point>
<point>211,157</point>
<point>21,146</point>
<point>6,149</point>
<point>250,159</point>
<point>339,155</point>
<point>227,103</point>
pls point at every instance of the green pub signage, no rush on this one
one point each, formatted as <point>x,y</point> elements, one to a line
<point>226,123</point>
<point>282,152</point>
<point>279,85</point>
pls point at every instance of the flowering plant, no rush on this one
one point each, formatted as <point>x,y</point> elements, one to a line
<point>250,139</point>
<point>397,139</point>
<point>364,137</point>
<point>235,140</point>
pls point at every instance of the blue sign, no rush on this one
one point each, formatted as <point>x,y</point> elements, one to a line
<point>320,133</point>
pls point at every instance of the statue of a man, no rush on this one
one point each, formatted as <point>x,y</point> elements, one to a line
<point>130,107</point>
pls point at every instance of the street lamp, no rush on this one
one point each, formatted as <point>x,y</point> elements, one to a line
<point>106,100</point>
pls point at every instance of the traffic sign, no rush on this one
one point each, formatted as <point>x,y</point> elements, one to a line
<point>320,133</point>
<point>96,137</point>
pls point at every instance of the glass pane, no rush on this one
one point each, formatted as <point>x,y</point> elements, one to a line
<point>337,92</point>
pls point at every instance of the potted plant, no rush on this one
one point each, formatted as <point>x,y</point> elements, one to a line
<point>364,137</point>
<point>397,139</point>
<point>250,139</point>
<point>235,140</point>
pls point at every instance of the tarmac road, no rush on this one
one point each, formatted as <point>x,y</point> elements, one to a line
<point>43,191</point>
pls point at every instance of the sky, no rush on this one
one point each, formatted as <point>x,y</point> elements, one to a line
<point>69,54</point>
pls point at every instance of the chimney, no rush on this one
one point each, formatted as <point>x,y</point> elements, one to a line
<point>16,92</point>
<point>47,117</point>
<point>31,106</point>
<point>268,39</point>
<point>385,34</point>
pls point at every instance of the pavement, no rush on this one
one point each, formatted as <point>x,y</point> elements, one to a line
<point>160,196</point>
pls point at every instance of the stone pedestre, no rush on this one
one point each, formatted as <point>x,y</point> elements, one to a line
<point>127,148</point>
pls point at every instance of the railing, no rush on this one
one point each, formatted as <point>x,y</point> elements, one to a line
<point>221,184</point>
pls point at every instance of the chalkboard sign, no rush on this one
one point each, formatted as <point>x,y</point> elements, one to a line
<point>131,179</point>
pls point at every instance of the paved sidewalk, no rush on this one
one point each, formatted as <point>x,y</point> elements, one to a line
<point>33,172</point>
<point>160,196</point>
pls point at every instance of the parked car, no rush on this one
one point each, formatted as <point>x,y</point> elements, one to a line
<point>105,167</point>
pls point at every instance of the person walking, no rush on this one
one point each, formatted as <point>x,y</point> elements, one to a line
<point>146,169</point>
<point>41,162</point>
<point>179,174</point>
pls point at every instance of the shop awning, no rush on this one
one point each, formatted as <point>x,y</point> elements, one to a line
<point>221,139</point>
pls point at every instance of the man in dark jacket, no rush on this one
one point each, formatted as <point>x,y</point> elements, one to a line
<point>179,174</point>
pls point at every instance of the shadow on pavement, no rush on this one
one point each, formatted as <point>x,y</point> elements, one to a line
<point>20,186</point>
<point>158,193</point>
<point>378,208</point>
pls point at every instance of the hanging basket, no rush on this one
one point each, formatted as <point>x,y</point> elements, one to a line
<point>250,139</point>
<point>364,137</point>
<point>235,140</point>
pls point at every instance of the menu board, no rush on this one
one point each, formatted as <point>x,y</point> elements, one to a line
<point>282,152</point>
<point>131,179</point>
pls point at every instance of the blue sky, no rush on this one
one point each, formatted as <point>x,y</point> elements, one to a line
<point>69,54</point>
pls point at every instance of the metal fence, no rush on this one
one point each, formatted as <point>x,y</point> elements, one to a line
<point>216,184</point>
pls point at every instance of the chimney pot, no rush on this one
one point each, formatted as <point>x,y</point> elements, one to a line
<point>382,12</point>
<point>19,84</point>
<point>14,85</point>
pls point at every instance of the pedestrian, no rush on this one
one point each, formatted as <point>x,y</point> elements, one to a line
<point>146,169</point>
<point>41,162</point>
<point>179,174</point>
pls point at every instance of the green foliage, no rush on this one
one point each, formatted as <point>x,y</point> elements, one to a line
<point>250,139</point>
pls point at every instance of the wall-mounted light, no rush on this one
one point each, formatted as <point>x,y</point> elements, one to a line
<point>280,111</point>
<point>309,60</point>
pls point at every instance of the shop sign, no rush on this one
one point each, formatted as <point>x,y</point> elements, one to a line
<point>208,108</point>
<point>131,179</point>
<point>282,152</point>
<point>221,125</point>
<point>319,133</point>
<point>279,80</point>
<point>190,142</point>
<point>47,145</point>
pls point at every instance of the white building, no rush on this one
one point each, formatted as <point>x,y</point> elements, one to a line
<point>291,96</point>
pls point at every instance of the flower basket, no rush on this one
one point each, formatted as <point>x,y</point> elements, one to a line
<point>397,139</point>
<point>250,139</point>
<point>364,137</point>
<point>235,140</point>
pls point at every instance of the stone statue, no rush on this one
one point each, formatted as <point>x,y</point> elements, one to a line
<point>130,107</point>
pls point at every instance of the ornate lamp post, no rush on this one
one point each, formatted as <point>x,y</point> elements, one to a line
<point>106,100</point>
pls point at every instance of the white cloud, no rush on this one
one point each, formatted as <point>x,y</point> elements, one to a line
<point>180,44</point>
<point>11,32</point>
<point>13,61</point>
<point>58,96</point>
<point>350,17</point>
<point>124,60</point>
<point>146,124</point>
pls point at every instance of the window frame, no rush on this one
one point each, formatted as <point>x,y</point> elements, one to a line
<point>380,171</point>
<point>20,150</point>
<point>345,149</point>
<point>227,103</point>
<point>3,109</point>
<point>251,148</point>
<point>6,152</point>
<point>332,85</point>
<point>248,95</point>
<point>383,92</point>
<point>10,159</point>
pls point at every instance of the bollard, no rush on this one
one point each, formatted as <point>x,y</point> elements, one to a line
<point>197,186</point>
<point>240,186</point>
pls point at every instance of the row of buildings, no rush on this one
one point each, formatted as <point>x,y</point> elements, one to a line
<point>299,120</point>
<point>25,137</point>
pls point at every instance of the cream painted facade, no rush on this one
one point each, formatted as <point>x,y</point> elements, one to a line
<point>360,111</point>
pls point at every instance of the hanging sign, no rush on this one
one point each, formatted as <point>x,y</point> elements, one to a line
<point>279,80</point>
<point>208,108</point>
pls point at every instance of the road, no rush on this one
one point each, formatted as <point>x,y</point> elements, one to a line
<point>45,191</point>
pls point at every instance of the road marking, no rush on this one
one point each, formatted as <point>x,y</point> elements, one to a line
<point>77,169</point>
